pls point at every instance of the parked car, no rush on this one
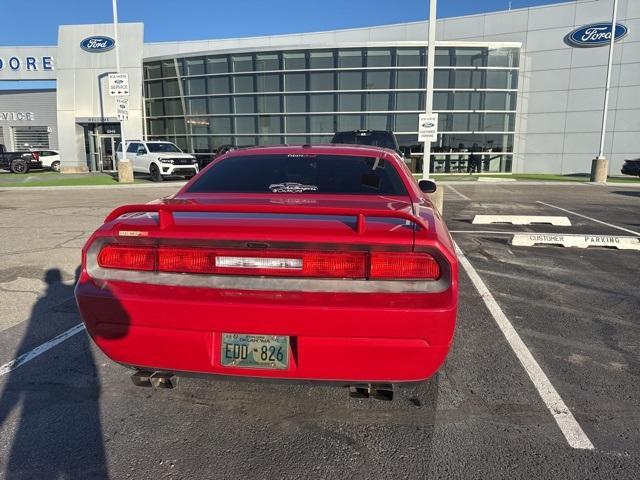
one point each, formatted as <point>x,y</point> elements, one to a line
<point>325,263</point>
<point>18,162</point>
<point>159,159</point>
<point>631,167</point>
<point>377,138</point>
<point>49,158</point>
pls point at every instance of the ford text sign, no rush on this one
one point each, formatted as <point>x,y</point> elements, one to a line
<point>594,35</point>
<point>97,44</point>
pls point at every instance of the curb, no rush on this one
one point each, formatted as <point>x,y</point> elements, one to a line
<point>92,187</point>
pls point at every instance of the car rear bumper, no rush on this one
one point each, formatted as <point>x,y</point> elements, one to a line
<point>180,330</point>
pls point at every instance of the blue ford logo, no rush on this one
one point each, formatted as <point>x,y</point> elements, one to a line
<point>594,35</point>
<point>97,44</point>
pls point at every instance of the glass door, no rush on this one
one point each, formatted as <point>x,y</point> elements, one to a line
<point>107,153</point>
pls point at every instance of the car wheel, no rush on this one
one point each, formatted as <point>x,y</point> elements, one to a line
<point>19,165</point>
<point>156,176</point>
<point>55,166</point>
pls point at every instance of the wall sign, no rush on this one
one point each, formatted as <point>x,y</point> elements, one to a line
<point>17,63</point>
<point>97,44</point>
<point>16,116</point>
<point>594,35</point>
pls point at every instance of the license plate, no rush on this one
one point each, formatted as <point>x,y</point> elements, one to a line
<point>255,351</point>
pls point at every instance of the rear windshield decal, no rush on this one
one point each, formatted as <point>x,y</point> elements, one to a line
<point>292,187</point>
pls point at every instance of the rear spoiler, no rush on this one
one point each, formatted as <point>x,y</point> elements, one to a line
<point>165,212</point>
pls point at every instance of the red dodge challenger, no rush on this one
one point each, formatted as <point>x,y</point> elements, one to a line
<point>305,262</point>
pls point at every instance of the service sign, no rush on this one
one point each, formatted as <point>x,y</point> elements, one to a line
<point>594,35</point>
<point>122,108</point>
<point>428,127</point>
<point>118,84</point>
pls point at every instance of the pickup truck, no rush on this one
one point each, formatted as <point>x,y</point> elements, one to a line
<point>322,263</point>
<point>18,162</point>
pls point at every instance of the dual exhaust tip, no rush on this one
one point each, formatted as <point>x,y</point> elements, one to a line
<point>143,378</point>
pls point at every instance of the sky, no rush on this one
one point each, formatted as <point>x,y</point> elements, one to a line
<point>35,22</point>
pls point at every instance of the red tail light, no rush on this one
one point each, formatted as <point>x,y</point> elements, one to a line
<point>403,266</point>
<point>127,258</point>
<point>280,263</point>
<point>188,260</point>
<point>262,262</point>
<point>35,155</point>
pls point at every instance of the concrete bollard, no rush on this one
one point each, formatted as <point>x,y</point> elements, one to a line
<point>599,170</point>
<point>437,198</point>
<point>125,171</point>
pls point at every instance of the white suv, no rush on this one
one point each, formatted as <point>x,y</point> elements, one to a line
<point>159,159</point>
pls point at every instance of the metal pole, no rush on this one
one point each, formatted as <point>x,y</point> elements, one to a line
<point>117,49</point>
<point>431,54</point>
<point>608,84</point>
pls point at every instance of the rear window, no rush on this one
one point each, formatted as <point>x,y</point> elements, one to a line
<point>296,173</point>
<point>163,148</point>
<point>376,139</point>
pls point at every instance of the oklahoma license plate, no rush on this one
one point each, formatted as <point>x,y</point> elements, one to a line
<point>255,351</point>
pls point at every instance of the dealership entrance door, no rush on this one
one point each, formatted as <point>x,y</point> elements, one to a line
<point>107,161</point>
<point>101,141</point>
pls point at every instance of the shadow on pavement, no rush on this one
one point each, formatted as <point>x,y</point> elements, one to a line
<point>51,405</point>
<point>628,193</point>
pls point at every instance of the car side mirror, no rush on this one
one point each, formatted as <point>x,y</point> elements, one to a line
<point>427,186</point>
<point>140,152</point>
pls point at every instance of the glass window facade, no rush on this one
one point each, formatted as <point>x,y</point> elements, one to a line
<point>304,96</point>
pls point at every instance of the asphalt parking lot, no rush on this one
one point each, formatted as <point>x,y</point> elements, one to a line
<point>66,411</point>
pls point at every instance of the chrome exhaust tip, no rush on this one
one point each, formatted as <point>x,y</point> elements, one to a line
<point>141,378</point>
<point>163,380</point>
<point>378,391</point>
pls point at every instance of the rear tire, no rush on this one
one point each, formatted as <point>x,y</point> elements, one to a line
<point>156,176</point>
<point>19,165</point>
<point>55,166</point>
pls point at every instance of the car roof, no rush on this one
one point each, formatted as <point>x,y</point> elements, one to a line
<point>320,149</point>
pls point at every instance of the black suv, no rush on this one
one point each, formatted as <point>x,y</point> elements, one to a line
<point>377,138</point>
<point>631,167</point>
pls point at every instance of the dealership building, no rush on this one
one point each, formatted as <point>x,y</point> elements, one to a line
<point>524,89</point>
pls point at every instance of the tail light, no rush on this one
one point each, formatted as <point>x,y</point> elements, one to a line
<point>260,262</point>
<point>35,155</point>
<point>279,263</point>
<point>403,266</point>
<point>127,258</point>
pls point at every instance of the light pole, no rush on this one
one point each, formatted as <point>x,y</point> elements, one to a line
<point>600,164</point>
<point>125,169</point>
<point>431,54</point>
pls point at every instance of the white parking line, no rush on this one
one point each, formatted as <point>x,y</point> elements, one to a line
<point>569,426</point>
<point>589,218</point>
<point>482,232</point>
<point>39,350</point>
<point>521,220</point>
<point>455,190</point>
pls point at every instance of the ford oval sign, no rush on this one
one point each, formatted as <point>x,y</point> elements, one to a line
<point>97,44</point>
<point>594,35</point>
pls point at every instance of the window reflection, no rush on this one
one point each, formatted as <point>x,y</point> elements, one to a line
<point>233,99</point>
